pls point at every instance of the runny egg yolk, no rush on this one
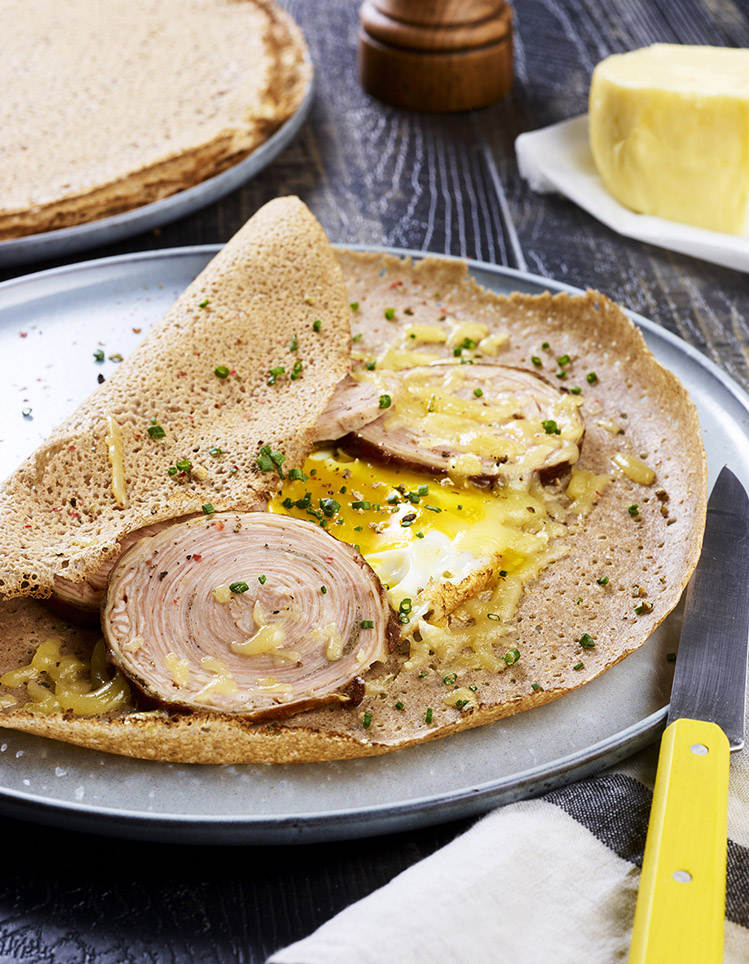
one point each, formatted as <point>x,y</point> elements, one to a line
<point>414,528</point>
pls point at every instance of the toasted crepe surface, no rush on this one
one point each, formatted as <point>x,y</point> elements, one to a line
<point>274,279</point>
<point>109,106</point>
<point>656,551</point>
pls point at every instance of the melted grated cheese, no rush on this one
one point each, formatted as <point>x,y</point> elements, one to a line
<point>584,489</point>
<point>634,468</point>
<point>178,668</point>
<point>116,454</point>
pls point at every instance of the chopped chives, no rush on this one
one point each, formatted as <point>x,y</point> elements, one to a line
<point>316,324</point>
<point>478,392</point>
<point>450,679</point>
<point>366,719</point>
<point>390,313</point>
<point>99,355</point>
<point>592,378</point>
<point>208,509</point>
<point>385,401</point>
<point>578,666</point>
<point>367,624</point>
<point>428,716</point>
<point>221,371</point>
<point>512,656</point>
<point>261,580</point>
<point>204,303</point>
<point>238,587</point>
<point>603,581</point>
<point>156,431</point>
<point>586,641</point>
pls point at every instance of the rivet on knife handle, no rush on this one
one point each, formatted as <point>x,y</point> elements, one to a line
<point>681,903</point>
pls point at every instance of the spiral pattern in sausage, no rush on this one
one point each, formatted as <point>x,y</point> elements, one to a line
<point>252,614</point>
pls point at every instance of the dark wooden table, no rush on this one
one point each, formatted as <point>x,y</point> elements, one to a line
<point>375,175</point>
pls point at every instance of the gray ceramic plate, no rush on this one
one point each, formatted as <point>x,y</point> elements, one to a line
<point>50,325</point>
<point>58,244</point>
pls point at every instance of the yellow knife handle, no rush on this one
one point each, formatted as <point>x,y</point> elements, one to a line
<point>680,911</point>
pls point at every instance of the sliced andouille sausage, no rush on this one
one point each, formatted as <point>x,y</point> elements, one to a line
<point>252,614</point>
<point>87,596</point>
<point>353,405</point>
<point>477,421</point>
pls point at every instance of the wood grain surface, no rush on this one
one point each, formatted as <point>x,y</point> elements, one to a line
<point>376,175</point>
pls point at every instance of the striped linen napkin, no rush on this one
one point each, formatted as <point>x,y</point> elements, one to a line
<point>550,879</point>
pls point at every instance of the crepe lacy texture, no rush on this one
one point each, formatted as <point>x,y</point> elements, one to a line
<point>146,98</point>
<point>630,545</point>
<point>189,419</point>
<point>255,614</point>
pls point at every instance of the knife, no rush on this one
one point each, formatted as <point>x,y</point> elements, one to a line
<point>679,918</point>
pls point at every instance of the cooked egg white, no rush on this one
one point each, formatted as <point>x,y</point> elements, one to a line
<point>452,557</point>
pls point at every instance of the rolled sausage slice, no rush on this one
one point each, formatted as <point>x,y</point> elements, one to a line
<point>478,421</point>
<point>253,614</point>
<point>352,405</point>
<point>87,596</point>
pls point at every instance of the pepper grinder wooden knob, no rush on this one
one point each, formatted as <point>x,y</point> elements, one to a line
<point>436,55</point>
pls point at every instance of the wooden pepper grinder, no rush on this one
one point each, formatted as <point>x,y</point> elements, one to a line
<point>436,55</point>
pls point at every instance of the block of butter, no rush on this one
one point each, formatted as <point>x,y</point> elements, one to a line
<point>669,133</point>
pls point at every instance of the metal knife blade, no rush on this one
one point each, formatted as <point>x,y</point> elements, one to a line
<point>710,674</point>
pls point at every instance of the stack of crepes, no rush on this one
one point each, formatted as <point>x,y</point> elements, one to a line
<point>215,418</point>
<point>107,107</point>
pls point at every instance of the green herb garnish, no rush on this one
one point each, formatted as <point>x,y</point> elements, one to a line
<point>238,587</point>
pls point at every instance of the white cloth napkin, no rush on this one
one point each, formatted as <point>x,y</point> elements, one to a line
<point>552,879</point>
<point>558,158</point>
